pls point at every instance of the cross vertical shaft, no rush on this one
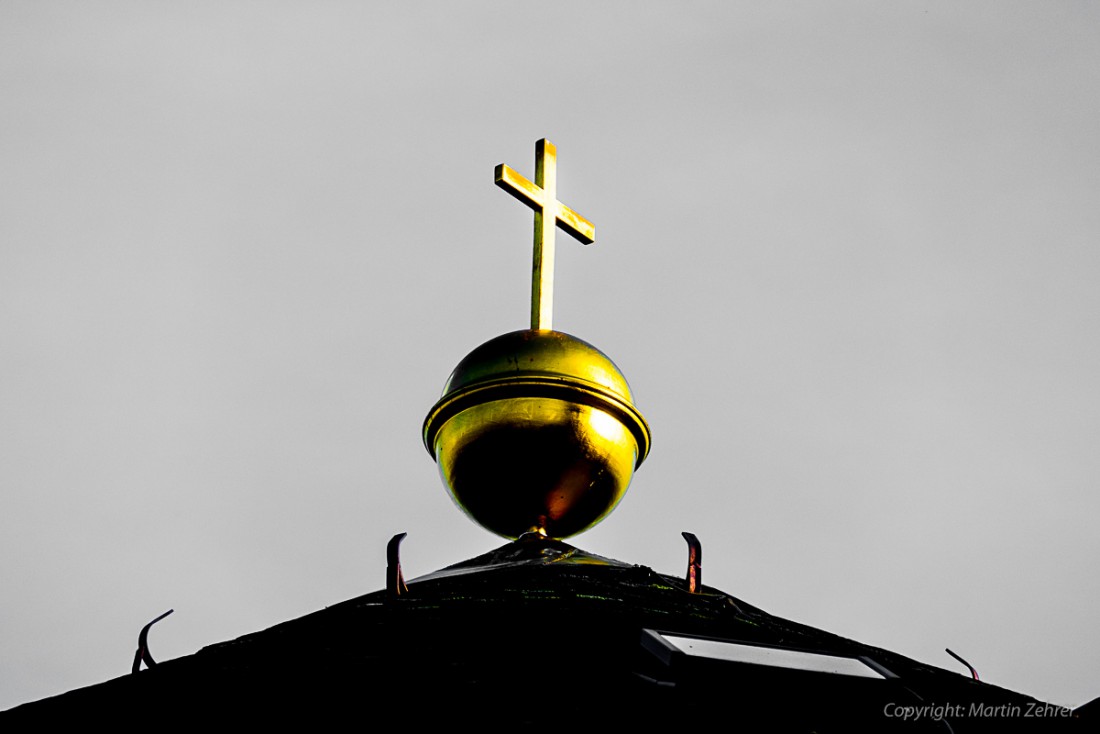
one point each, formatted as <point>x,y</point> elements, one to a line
<point>546,222</point>
<point>549,215</point>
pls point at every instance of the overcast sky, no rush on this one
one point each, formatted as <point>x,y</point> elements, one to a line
<point>847,255</point>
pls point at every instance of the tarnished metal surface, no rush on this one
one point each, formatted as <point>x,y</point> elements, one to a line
<point>536,432</point>
<point>695,562</point>
<point>395,580</point>
<point>542,196</point>
<point>529,550</point>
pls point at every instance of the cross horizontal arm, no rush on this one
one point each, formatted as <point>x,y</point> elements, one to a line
<point>506,178</point>
<point>519,187</point>
<point>576,225</point>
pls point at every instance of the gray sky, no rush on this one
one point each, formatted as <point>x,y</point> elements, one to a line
<point>846,256</point>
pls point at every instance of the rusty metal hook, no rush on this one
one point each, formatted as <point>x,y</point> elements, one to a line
<point>142,653</point>
<point>973,672</point>
<point>395,582</point>
<point>695,563</point>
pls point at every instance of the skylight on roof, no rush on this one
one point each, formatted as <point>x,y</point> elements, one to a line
<point>774,657</point>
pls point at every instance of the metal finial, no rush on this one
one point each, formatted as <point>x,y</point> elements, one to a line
<point>537,430</point>
<point>395,582</point>
<point>549,215</point>
<point>695,563</point>
<point>142,654</point>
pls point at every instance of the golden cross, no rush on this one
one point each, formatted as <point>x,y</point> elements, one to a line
<point>542,196</point>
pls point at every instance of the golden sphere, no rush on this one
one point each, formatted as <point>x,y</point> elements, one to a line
<point>536,431</point>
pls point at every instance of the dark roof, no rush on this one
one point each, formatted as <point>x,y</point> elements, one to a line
<point>539,632</point>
